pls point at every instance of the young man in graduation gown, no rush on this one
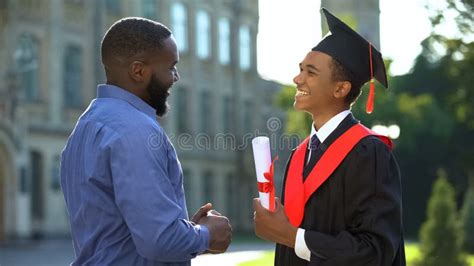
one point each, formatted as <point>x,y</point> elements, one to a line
<point>341,200</point>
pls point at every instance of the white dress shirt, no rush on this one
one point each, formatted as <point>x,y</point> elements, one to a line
<point>301,249</point>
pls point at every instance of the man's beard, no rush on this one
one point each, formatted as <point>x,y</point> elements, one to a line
<point>158,93</point>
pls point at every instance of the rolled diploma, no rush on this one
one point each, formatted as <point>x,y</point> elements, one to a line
<point>263,160</point>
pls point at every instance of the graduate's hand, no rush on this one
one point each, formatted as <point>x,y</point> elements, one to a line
<point>220,231</point>
<point>273,226</point>
<point>202,212</point>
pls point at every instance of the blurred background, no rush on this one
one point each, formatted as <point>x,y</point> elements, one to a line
<point>237,60</point>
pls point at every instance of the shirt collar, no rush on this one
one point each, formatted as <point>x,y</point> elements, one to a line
<point>329,126</point>
<point>111,91</point>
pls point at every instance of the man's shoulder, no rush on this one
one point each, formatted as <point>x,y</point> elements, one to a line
<point>112,122</point>
<point>122,117</point>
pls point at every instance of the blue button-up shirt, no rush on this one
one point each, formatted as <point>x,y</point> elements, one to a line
<point>123,187</point>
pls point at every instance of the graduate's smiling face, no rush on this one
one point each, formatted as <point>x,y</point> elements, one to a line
<point>314,83</point>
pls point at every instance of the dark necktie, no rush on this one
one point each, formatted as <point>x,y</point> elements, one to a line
<point>313,146</point>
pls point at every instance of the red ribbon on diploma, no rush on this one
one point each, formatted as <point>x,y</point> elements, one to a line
<point>268,187</point>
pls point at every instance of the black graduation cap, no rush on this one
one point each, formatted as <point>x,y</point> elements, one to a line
<point>355,53</point>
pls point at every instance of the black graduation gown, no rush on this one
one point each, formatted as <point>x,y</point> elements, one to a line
<point>355,217</point>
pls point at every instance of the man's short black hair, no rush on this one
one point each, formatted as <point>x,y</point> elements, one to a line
<point>341,73</point>
<point>131,36</point>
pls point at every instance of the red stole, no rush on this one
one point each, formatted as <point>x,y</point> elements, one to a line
<point>297,192</point>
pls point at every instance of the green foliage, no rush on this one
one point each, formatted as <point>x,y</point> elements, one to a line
<point>441,234</point>
<point>440,92</point>
<point>458,60</point>
<point>286,97</point>
<point>467,214</point>
<point>464,10</point>
<point>297,122</point>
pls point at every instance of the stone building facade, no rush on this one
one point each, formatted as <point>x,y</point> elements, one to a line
<point>49,69</point>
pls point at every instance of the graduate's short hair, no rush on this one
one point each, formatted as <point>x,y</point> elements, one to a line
<point>133,35</point>
<point>341,73</point>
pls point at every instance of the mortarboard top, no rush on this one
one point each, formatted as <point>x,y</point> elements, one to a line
<point>354,52</point>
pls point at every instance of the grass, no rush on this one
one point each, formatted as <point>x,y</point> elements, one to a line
<point>411,252</point>
<point>265,260</point>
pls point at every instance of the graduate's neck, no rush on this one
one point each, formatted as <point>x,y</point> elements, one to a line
<point>321,118</point>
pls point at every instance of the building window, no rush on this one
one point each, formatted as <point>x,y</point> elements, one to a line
<point>232,197</point>
<point>179,22</point>
<point>26,59</point>
<point>37,194</point>
<point>74,2</point>
<point>224,41</point>
<point>206,112</point>
<point>227,114</point>
<point>208,183</point>
<point>24,184</point>
<point>189,189</point>
<point>244,47</point>
<point>72,76</point>
<point>149,8</point>
<point>203,35</point>
<point>55,183</point>
<point>113,6</point>
<point>183,110</point>
<point>248,114</point>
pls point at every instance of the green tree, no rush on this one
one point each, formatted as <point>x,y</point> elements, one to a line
<point>467,213</point>
<point>456,63</point>
<point>441,234</point>
<point>298,122</point>
<point>442,75</point>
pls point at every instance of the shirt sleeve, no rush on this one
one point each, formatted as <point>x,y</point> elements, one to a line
<point>148,202</point>
<point>372,200</point>
<point>301,249</point>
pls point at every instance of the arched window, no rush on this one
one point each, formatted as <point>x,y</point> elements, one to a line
<point>224,41</point>
<point>72,78</point>
<point>179,23</point>
<point>244,47</point>
<point>26,60</point>
<point>227,117</point>
<point>149,9</point>
<point>208,186</point>
<point>203,34</point>
<point>206,111</point>
<point>113,6</point>
<point>183,110</point>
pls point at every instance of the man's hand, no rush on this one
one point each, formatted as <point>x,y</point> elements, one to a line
<point>273,226</point>
<point>202,212</point>
<point>220,231</point>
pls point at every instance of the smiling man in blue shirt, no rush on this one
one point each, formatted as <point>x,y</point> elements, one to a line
<point>120,175</point>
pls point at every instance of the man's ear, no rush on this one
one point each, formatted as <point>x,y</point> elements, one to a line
<point>138,71</point>
<point>342,89</point>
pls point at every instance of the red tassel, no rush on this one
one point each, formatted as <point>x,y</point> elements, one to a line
<point>370,100</point>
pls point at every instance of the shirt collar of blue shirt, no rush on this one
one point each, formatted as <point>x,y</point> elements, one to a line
<point>111,91</point>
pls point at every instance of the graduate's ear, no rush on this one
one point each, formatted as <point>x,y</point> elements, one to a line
<point>138,71</point>
<point>342,89</point>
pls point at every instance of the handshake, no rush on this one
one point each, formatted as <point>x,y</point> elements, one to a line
<point>220,230</point>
